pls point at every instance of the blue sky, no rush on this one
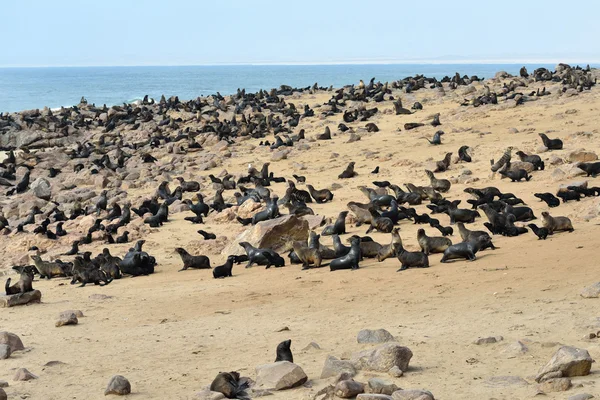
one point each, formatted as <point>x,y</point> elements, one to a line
<point>194,32</point>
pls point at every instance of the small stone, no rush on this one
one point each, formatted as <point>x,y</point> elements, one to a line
<point>19,299</point>
<point>555,385</point>
<point>12,340</point>
<point>23,375</point>
<point>374,336</point>
<point>581,396</point>
<point>67,320</point>
<point>78,313</point>
<point>412,395</point>
<point>369,396</point>
<point>514,349</point>
<point>280,375</point>
<point>379,386</point>
<point>591,292</point>
<point>3,384</point>
<point>555,160</point>
<point>348,389</point>
<point>5,351</point>
<point>353,138</point>
<point>99,296</point>
<point>395,372</point>
<point>282,329</point>
<point>504,381</point>
<point>383,357</point>
<point>118,385</point>
<point>488,340</point>
<point>311,346</point>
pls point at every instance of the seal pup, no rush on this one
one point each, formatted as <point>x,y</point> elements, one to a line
<point>548,198</point>
<point>338,228</point>
<point>283,351</point>
<point>223,271</point>
<point>299,178</point>
<point>124,238</point>
<point>437,138</point>
<point>325,135</point>
<point>541,233</point>
<point>307,255</point>
<point>433,244</point>
<point>551,144</point>
<point>463,154</point>
<point>207,235</point>
<point>348,172</point>
<point>230,385</point>
<point>441,185</point>
<point>516,176</point>
<point>556,224</point>
<point>441,166</point>
<point>376,170</point>
<point>320,196</point>
<point>189,261</point>
<point>350,260</point>
<point>25,283</point>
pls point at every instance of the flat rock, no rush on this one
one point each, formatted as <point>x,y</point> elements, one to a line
<point>23,375</point>
<point>383,357</point>
<point>379,386</point>
<point>208,394</point>
<point>582,156</point>
<point>488,340</point>
<point>566,362</point>
<point>581,396</point>
<point>118,385</point>
<point>555,385</point>
<point>370,396</point>
<point>5,351</point>
<point>12,340</point>
<point>591,292</point>
<point>348,389</point>
<point>334,366</point>
<point>504,381</point>
<point>314,221</point>
<point>280,375</point>
<point>67,313</point>
<point>374,336</point>
<point>312,346</point>
<point>70,319</point>
<point>274,234</point>
<point>514,349</point>
<point>412,394</point>
<point>19,299</point>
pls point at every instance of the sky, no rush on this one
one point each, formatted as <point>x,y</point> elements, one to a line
<point>40,33</point>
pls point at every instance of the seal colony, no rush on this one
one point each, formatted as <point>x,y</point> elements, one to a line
<point>232,165</point>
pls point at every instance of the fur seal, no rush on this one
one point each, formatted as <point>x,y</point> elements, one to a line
<point>516,176</point>
<point>88,274</point>
<point>338,228</point>
<point>25,283</point>
<point>207,235</point>
<point>463,154</point>
<point>541,233</point>
<point>567,195</point>
<point>307,255</point>
<point>548,198</point>
<point>551,144</point>
<point>348,172</point>
<point>339,248</point>
<point>283,351</point>
<point>437,138</point>
<point>534,159</point>
<point>350,260</point>
<point>189,186</point>
<point>472,236</point>
<point>441,185</point>
<point>465,250</point>
<point>556,224</point>
<point>381,224</point>
<point>230,385</point>
<point>48,269</point>
<point>190,261</point>
<point>520,213</point>
<point>443,165</point>
<point>411,259</point>
<point>223,271</point>
<point>591,169</point>
<point>326,135</point>
<point>461,214</point>
<point>433,244</point>
<point>390,250</point>
<point>258,256</point>
<point>320,196</point>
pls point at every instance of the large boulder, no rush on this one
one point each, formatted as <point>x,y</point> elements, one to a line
<point>383,357</point>
<point>334,367</point>
<point>280,375</point>
<point>11,340</point>
<point>566,362</point>
<point>41,188</point>
<point>374,336</point>
<point>412,394</point>
<point>276,234</point>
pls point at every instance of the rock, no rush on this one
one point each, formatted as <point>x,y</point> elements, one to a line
<point>311,346</point>
<point>514,349</point>
<point>207,394</point>
<point>591,292</point>
<point>249,208</point>
<point>5,351</point>
<point>383,357</point>
<point>517,165</point>
<point>555,160</point>
<point>379,386</point>
<point>314,221</point>
<point>569,361</point>
<point>279,155</point>
<point>334,366</point>
<point>412,394</point>
<point>280,375</point>
<point>118,385</point>
<point>99,297</point>
<point>353,138</point>
<point>3,395</point>
<point>374,336</point>
<point>12,340</point>
<point>275,234</point>
<point>78,313</point>
<point>582,155</point>
<point>488,340</point>
<point>70,319</point>
<point>373,397</point>
<point>579,184</point>
<point>3,384</point>
<point>558,175</point>
<point>395,372</point>
<point>555,385</point>
<point>505,381</point>
<point>581,396</point>
<point>101,182</point>
<point>41,188</point>
<point>23,375</point>
<point>348,389</point>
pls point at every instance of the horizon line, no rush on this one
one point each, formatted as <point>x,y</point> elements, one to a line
<point>507,61</point>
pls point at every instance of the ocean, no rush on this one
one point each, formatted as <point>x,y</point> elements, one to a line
<point>29,88</point>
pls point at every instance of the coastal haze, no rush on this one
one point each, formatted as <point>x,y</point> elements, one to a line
<point>483,329</point>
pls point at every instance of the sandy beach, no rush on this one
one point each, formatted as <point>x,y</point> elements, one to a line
<point>171,332</point>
